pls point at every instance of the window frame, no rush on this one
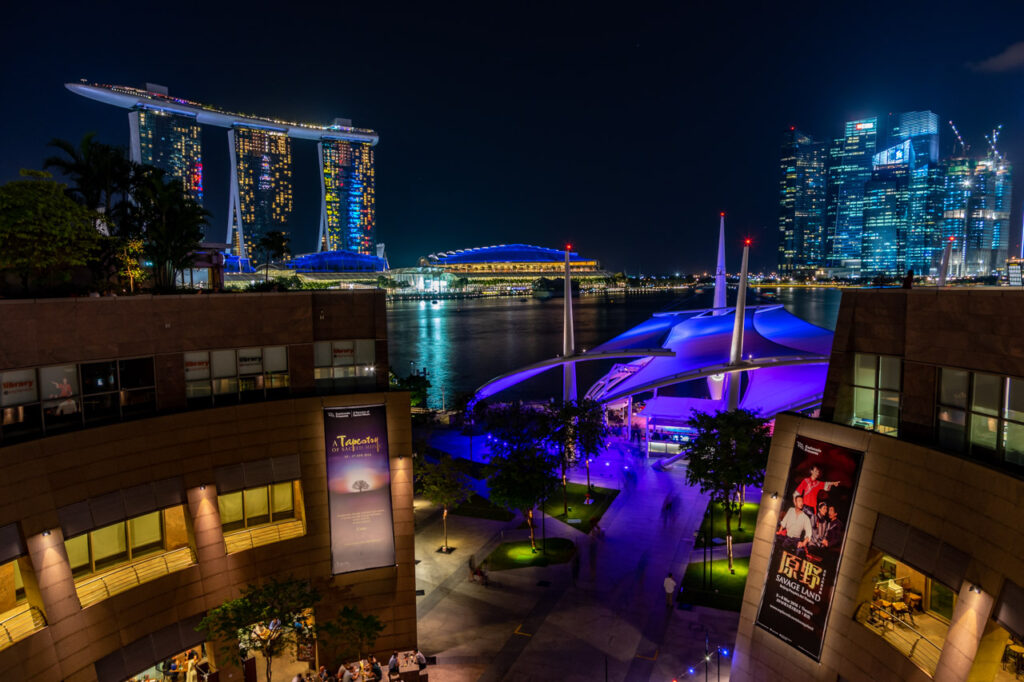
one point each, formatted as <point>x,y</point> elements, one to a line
<point>273,517</point>
<point>247,387</point>
<point>879,395</point>
<point>131,553</point>
<point>971,417</point>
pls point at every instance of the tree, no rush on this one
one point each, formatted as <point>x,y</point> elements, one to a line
<point>101,174</point>
<point>577,430</point>
<point>128,254</point>
<point>416,384</point>
<point>268,619</point>
<point>523,471</point>
<point>357,631</point>
<point>173,225</point>
<point>42,231</point>
<point>272,246</point>
<point>728,452</point>
<point>444,485</point>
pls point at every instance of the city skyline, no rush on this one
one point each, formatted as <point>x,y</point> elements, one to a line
<point>503,129</point>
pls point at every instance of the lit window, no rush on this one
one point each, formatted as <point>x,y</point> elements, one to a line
<point>261,515</point>
<point>228,377</point>
<point>876,393</point>
<point>982,415</point>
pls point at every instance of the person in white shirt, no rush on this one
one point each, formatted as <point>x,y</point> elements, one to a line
<point>795,527</point>
<point>670,590</point>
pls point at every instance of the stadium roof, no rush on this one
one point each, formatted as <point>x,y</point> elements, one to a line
<point>502,253</point>
<point>336,261</point>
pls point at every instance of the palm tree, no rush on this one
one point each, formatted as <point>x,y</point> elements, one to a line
<point>272,246</point>
<point>101,174</point>
<point>173,224</point>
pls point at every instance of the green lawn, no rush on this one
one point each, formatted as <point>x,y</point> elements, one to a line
<point>746,535</point>
<point>727,589</point>
<point>588,514</point>
<point>482,508</point>
<point>510,555</point>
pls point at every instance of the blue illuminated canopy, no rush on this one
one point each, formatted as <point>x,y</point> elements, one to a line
<point>336,261</point>
<point>502,253</point>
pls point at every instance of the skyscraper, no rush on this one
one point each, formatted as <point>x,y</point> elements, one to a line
<point>801,203</point>
<point>171,142</point>
<point>348,201</point>
<point>886,212</point>
<point>976,213</point>
<point>849,169</point>
<point>260,198</point>
<point>921,241</point>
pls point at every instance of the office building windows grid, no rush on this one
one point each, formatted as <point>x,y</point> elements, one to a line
<point>259,506</point>
<point>126,542</point>
<point>231,376</point>
<point>46,400</point>
<point>981,414</point>
<point>877,384</point>
<point>344,365</point>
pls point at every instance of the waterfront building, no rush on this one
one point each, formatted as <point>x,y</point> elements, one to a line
<point>348,211</point>
<point>512,262</point>
<point>261,186</point>
<point>147,478</point>
<point>915,574</point>
<point>801,203</point>
<point>171,142</point>
<point>849,170</point>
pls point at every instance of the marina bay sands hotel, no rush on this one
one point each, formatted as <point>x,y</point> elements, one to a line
<point>165,133</point>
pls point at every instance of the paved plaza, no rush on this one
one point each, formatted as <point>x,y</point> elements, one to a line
<point>535,624</point>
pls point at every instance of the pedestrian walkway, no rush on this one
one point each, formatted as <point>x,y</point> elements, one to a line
<point>535,624</point>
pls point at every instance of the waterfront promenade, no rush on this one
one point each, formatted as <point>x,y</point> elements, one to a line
<point>535,624</point>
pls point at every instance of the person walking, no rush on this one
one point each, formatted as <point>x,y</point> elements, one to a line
<point>670,590</point>
<point>393,663</point>
<point>421,660</point>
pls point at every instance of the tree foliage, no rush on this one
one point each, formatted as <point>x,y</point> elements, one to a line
<point>353,633</point>
<point>578,432</point>
<point>174,225</point>
<point>272,246</point>
<point>268,619</point>
<point>43,232</point>
<point>728,452</point>
<point>101,174</point>
<point>443,484</point>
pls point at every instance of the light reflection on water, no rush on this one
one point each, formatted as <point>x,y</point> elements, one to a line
<point>463,344</point>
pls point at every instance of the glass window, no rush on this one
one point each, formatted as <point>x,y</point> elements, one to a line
<point>105,407</point>
<point>864,369</point>
<point>232,516</point>
<point>197,366</point>
<point>136,373</point>
<point>99,377</point>
<point>283,503</point>
<point>322,354</point>
<point>365,352</point>
<point>987,394</point>
<point>78,555</point>
<point>275,359</point>
<point>109,546</point>
<point>953,387</point>
<point>889,370</point>
<point>257,506</point>
<point>59,389</point>
<point>952,425</point>
<point>146,533</point>
<point>222,363</point>
<point>343,353</point>
<point>864,408</point>
<point>1014,408</point>
<point>983,434</point>
<point>888,412</point>
<point>941,600</point>
<point>18,387</point>
<point>250,361</point>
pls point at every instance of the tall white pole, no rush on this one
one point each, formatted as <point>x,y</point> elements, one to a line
<point>944,268</point>
<point>736,350</point>
<point>568,338</point>
<point>721,286</point>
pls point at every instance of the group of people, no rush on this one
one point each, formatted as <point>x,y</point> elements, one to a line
<point>370,672</point>
<point>811,524</point>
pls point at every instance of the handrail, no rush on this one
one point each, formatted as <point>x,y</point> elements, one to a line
<point>913,644</point>
<point>121,578</point>
<point>37,621</point>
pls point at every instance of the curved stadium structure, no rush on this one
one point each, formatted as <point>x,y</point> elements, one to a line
<point>510,260</point>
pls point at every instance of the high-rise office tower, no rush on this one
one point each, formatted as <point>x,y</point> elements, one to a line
<point>348,201</point>
<point>921,243</point>
<point>976,213</point>
<point>886,212</point>
<point>849,170</point>
<point>260,198</point>
<point>171,142</point>
<point>801,203</point>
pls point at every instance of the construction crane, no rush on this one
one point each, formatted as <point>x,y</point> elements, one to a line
<point>964,147</point>
<point>993,140</point>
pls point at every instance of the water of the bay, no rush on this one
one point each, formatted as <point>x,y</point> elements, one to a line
<point>463,344</point>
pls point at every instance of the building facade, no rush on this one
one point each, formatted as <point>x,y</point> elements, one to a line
<point>922,394</point>
<point>348,215</point>
<point>801,203</point>
<point>976,213</point>
<point>171,142</point>
<point>177,449</point>
<point>849,170</point>
<point>261,186</point>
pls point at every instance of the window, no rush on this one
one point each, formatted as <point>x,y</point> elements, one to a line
<point>876,393</point>
<point>341,366</point>
<point>229,377</point>
<point>19,618</point>
<point>257,506</point>
<point>982,415</point>
<point>117,389</point>
<point>126,542</point>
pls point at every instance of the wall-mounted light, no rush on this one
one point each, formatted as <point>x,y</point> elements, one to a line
<point>975,588</point>
<point>202,487</point>
<point>46,533</point>
<point>775,495</point>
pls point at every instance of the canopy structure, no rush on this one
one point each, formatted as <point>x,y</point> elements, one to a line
<point>336,261</point>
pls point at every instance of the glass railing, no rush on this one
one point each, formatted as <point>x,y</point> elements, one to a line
<point>900,633</point>
<point>93,589</point>
<point>19,623</point>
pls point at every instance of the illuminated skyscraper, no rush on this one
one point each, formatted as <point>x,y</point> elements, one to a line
<point>348,201</point>
<point>171,142</point>
<point>261,185</point>
<point>921,245</point>
<point>849,169</point>
<point>976,213</point>
<point>801,203</point>
<point>886,212</point>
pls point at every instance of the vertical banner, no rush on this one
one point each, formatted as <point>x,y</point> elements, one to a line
<point>359,488</point>
<point>809,539</point>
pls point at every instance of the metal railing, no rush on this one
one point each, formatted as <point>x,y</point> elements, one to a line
<point>258,536</point>
<point>123,578</point>
<point>903,636</point>
<point>19,624</point>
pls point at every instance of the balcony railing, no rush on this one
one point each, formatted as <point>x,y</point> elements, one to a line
<point>19,623</point>
<point>241,540</point>
<point>95,589</point>
<point>901,635</point>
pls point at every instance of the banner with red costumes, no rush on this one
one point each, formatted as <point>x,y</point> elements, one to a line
<point>813,516</point>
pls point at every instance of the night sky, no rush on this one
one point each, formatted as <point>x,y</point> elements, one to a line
<point>624,130</point>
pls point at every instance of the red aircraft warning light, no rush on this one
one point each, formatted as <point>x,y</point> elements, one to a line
<point>568,247</point>
<point>747,241</point>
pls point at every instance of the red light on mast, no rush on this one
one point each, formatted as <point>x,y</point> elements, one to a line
<point>747,241</point>
<point>952,239</point>
<point>722,214</point>
<point>568,247</point>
